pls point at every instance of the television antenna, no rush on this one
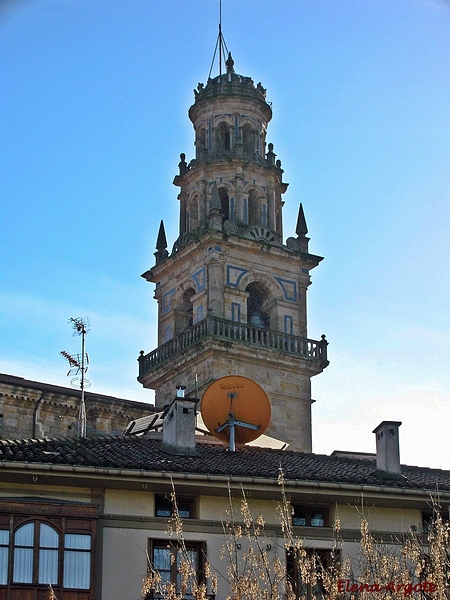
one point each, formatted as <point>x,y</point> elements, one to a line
<point>235,409</point>
<point>221,47</point>
<point>79,364</point>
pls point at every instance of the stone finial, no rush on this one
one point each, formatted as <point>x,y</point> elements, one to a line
<point>271,155</point>
<point>230,63</point>
<point>182,165</point>
<point>301,230</point>
<point>161,245</point>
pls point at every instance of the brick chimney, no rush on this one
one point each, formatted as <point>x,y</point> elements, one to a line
<point>388,448</point>
<point>179,426</point>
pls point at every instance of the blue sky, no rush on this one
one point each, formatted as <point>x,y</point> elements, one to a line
<point>93,117</point>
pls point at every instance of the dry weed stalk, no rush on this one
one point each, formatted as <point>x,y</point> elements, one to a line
<point>417,567</point>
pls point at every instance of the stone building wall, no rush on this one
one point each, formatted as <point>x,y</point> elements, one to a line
<point>30,409</point>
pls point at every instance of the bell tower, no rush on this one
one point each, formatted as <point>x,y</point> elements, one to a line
<point>231,294</point>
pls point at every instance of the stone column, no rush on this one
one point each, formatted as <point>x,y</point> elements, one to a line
<point>216,288</point>
<point>239,187</point>
<point>271,222</point>
<point>182,199</point>
<point>203,208</point>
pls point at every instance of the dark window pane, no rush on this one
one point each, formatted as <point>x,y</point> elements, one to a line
<point>317,520</point>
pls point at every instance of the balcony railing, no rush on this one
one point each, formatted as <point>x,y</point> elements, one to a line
<point>221,329</point>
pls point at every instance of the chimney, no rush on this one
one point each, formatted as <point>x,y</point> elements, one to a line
<point>388,450</point>
<point>179,425</point>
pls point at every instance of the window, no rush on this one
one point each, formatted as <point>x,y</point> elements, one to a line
<point>171,560</point>
<point>312,517</point>
<point>37,556</point>
<point>319,560</point>
<point>46,550</point>
<point>4,552</point>
<point>224,204</point>
<point>257,296</point>
<point>222,138</point>
<point>77,560</point>
<point>184,312</point>
<point>429,518</point>
<point>164,507</point>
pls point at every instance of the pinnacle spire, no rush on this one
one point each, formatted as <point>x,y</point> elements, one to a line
<point>161,245</point>
<point>215,204</point>
<point>301,230</point>
<point>161,242</point>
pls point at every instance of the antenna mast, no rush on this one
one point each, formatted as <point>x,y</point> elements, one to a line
<point>79,365</point>
<point>221,46</point>
<point>220,38</point>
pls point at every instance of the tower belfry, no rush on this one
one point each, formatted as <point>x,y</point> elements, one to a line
<point>231,293</point>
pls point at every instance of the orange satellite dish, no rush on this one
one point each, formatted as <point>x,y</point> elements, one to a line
<point>235,409</point>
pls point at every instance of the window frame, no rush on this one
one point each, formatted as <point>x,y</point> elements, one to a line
<point>164,507</point>
<point>64,519</point>
<point>293,573</point>
<point>309,513</point>
<point>176,549</point>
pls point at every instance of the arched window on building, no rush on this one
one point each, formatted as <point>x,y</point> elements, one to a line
<point>42,555</point>
<point>249,139</point>
<point>200,144</point>
<point>254,208</point>
<point>192,214</point>
<point>184,312</point>
<point>222,138</point>
<point>257,297</point>
<point>279,222</point>
<point>225,203</point>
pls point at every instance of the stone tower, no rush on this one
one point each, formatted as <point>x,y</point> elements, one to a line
<point>231,294</point>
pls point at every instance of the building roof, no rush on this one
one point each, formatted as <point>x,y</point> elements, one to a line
<point>147,454</point>
<point>58,390</point>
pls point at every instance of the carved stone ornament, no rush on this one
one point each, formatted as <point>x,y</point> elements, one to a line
<point>230,227</point>
<point>263,234</point>
<point>184,239</point>
<point>292,243</point>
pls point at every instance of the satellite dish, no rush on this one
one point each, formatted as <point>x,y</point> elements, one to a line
<point>235,409</point>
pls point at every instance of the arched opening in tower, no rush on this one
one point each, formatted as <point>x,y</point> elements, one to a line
<point>256,316</point>
<point>224,203</point>
<point>222,137</point>
<point>200,144</point>
<point>184,312</point>
<point>254,208</point>
<point>249,139</point>
<point>192,214</point>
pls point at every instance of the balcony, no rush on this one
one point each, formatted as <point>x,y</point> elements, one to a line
<point>230,331</point>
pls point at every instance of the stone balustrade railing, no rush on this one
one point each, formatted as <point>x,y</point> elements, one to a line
<point>222,329</point>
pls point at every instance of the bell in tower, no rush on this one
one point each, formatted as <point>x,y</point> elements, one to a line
<point>231,293</point>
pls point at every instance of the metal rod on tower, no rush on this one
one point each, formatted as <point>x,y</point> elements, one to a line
<point>220,39</point>
<point>79,365</point>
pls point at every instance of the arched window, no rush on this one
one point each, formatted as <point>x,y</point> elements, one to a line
<point>222,138</point>
<point>184,312</point>
<point>224,203</point>
<point>200,144</point>
<point>254,208</point>
<point>41,555</point>
<point>36,554</point>
<point>249,139</point>
<point>256,316</point>
<point>192,214</point>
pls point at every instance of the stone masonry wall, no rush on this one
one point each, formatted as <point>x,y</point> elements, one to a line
<point>30,409</point>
